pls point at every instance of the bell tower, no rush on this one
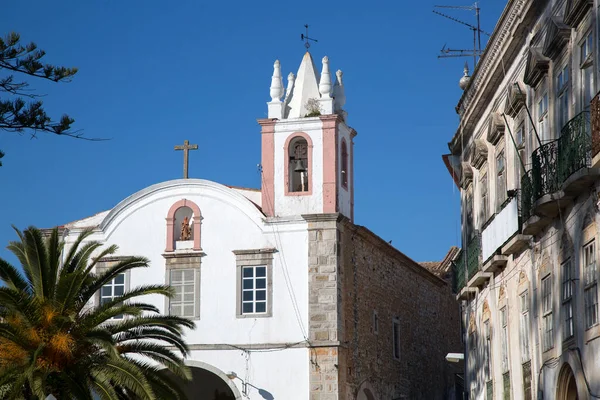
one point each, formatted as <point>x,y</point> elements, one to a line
<point>307,146</point>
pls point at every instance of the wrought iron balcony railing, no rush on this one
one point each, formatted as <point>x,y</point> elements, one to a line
<point>468,263</point>
<point>544,171</point>
<point>595,122</point>
<point>526,196</point>
<point>575,146</point>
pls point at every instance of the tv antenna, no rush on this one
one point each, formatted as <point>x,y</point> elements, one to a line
<point>477,31</point>
<point>306,38</point>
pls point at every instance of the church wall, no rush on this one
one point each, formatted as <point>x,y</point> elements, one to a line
<point>378,282</point>
<point>279,374</point>
<point>140,230</point>
<point>299,204</point>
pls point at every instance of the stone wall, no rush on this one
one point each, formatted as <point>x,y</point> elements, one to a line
<point>376,278</point>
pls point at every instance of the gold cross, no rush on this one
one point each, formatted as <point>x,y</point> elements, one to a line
<point>186,148</point>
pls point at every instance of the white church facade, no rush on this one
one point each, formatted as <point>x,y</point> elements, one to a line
<point>290,298</point>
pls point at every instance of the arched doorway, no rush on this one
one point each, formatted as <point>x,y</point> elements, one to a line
<point>208,383</point>
<point>567,387</point>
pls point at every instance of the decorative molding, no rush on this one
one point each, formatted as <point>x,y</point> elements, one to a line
<point>557,37</point>
<point>254,251</point>
<point>536,67</point>
<point>466,174</point>
<point>479,153</point>
<point>496,128</point>
<point>515,99</point>
<point>575,11</point>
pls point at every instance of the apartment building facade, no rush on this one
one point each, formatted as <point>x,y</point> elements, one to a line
<point>526,156</point>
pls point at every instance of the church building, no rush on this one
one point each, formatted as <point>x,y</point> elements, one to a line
<point>291,299</point>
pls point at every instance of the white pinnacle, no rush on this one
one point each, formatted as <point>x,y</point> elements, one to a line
<point>276,83</point>
<point>325,83</point>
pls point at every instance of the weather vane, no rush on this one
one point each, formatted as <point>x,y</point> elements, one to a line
<point>306,38</point>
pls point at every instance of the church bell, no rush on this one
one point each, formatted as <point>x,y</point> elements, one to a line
<point>299,166</point>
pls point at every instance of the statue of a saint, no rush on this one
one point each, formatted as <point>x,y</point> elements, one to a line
<point>186,232</point>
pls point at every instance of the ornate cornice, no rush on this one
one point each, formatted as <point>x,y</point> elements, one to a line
<point>515,99</point>
<point>502,49</point>
<point>466,174</point>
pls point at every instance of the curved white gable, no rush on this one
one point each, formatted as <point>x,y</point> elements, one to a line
<point>180,187</point>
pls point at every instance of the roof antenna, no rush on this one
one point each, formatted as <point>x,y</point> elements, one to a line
<point>306,38</point>
<point>477,31</point>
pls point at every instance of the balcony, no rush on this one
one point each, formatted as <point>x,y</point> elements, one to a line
<point>561,170</point>
<point>467,268</point>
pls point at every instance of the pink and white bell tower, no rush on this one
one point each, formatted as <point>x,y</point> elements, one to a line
<point>307,147</point>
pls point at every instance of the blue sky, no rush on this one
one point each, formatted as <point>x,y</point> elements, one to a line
<point>153,73</point>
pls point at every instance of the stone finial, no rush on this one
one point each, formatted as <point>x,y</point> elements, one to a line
<point>338,91</point>
<point>290,86</point>
<point>325,83</point>
<point>276,83</point>
<point>464,81</point>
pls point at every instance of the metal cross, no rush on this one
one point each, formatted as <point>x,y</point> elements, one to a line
<point>306,38</point>
<point>186,148</point>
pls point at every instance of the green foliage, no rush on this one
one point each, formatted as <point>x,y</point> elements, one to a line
<point>17,115</point>
<point>53,342</point>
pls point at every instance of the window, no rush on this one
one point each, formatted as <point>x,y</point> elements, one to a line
<point>524,326</point>
<point>500,180</point>
<point>469,213</point>
<point>254,283</point>
<point>520,156</point>
<point>567,299</point>
<point>504,338</point>
<point>547,324</point>
<point>483,193</point>
<point>562,96</point>
<point>115,288</point>
<point>183,282</point>
<point>375,322</point>
<point>527,380</point>
<point>506,385</point>
<point>487,351</point>
<point>590,289</point>
<point>586,65</point>
<point>344,171</point>
<point>543,128</point>
<point>254,290</point>
<point>396,338</point>
<point>298,165</point>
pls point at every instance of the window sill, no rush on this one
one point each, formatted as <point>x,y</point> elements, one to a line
<point>592,333</point>
<point>549,354</point>
<point>265,315</point>
<point>568,342</point>
<point>306,193</point>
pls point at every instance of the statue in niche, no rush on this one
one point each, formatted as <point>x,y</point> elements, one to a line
<point>186,232</point>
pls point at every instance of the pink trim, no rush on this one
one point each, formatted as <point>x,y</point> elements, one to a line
<point>171,221</point>
<point>268,166</point>
<point>286,163</point>
<point>330,162</point>
<point>344,168</point>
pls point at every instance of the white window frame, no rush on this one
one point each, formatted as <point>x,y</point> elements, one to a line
<point>184,284</point>
<point>484,196</point>
<point>504,338</point>
<point>524,326</point>
<point>547,317</point>
<point>586,63</point>
<point>396,342</point>
<point>543,127</point>
<point>567,299</point>
<point>253,260</point>
<point>500,179</point>
<point>590,285</point>
<point>102,266</point>
<point>562,96</point>
<point>254,289</point>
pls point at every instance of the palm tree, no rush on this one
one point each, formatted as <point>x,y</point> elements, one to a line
<point>53,342</point>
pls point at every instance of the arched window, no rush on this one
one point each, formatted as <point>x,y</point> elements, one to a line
<point>298,168</point>
<point>183,226</point>
<point>344,171</point>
